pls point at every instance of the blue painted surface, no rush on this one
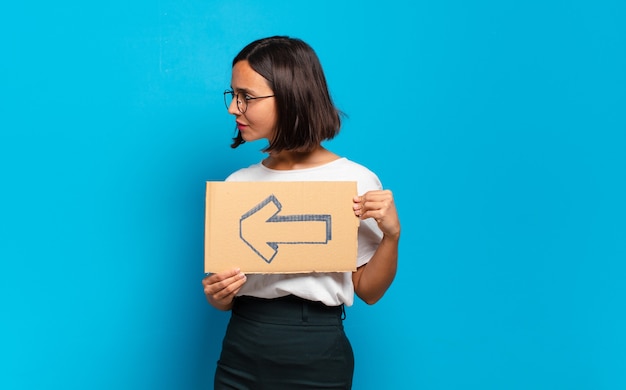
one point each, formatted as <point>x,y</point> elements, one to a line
<point>500,127</point>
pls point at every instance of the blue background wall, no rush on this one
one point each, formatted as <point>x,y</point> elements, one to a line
<point>499,125</point>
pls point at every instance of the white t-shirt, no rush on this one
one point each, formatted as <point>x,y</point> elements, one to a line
<point>334,288</point>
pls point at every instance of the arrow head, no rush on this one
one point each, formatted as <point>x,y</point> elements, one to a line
<point>256,217</point>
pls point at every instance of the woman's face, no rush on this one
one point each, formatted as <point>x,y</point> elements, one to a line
<point>259,119</point>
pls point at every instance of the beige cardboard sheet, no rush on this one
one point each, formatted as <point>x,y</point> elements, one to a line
<point>280,227</point>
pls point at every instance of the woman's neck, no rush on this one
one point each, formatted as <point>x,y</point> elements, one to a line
<point>288,160</point>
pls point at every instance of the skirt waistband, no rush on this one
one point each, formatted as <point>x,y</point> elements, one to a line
<point>288,310</point>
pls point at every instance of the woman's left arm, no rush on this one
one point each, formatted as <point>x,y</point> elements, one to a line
<point>372,280</point>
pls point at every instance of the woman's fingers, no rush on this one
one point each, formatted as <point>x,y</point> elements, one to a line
<point>379,205</point>
<point>223,286</point>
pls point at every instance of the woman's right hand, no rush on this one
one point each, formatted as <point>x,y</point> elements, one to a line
<point>220,289</point>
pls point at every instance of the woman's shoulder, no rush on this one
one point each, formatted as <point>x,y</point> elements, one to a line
<point>346,163</point>
<point>346,169</point>
<point>248,173</point>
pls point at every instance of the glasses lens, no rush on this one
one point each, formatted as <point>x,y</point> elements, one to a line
<point>242,104</point>
<point>228,98</point>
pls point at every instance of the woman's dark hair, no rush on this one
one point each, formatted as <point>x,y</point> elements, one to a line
<point>305,111</point>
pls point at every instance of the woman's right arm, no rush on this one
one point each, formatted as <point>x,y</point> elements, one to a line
<point>221,288</point>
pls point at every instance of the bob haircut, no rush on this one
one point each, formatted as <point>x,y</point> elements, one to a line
<point>305,111</point>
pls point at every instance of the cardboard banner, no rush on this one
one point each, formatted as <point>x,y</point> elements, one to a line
<point>280,227</point>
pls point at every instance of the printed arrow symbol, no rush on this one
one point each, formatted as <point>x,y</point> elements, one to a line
<point>262,229</point>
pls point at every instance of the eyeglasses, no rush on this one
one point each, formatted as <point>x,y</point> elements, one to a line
<point>242,99</point>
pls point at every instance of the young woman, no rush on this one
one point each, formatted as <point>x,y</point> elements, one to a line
<point>286,330</point>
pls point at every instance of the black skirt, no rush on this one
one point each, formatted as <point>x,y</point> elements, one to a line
<point>284,343</point>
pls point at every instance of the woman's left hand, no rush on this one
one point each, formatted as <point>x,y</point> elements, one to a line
<point>379,205</point>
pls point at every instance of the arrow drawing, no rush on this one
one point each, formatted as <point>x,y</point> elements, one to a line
<point>262,229</point>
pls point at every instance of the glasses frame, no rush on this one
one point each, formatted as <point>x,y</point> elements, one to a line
<point>241,103</point>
